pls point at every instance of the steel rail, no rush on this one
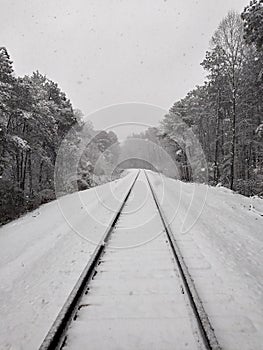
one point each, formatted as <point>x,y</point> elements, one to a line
<point>205,328</point>
<point>56,336</point>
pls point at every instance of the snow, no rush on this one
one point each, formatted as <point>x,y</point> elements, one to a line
<point>259,130</point>
<point>221,241</point>
<point>21,143</point>
<point>136,299</point>
<point>42,256</point>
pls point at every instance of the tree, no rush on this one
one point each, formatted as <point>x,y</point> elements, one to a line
<point>35,115</point>
<point>7,81</point>
<point>253,23</point>
<point>228,39</point>
<point>214,64</point>
<point>225,113</point>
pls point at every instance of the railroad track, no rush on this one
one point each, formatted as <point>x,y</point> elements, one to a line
<point>136,290</point>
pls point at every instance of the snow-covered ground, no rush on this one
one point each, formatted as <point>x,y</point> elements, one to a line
<point>221,241</point>
<point>43,254</point>
<point>136,299</point>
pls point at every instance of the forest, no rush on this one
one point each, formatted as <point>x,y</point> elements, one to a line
<point>226,111</point>
<point>225,114</point>
<point>35,117</point>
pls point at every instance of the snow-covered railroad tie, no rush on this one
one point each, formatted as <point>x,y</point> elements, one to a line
<point>135,291</point>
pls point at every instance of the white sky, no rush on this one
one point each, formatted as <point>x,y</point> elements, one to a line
<point>103,52</point>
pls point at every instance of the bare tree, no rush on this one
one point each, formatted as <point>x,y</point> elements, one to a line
<point>229,38</point>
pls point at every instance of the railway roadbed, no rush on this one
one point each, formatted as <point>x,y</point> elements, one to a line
<point>136,297</point>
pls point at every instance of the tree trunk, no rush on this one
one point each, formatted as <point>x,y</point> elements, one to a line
<point>30,175</point>
<point>233,142</point>
<point>40,175</point>
<point>216,169</point>
<point>23,180</point>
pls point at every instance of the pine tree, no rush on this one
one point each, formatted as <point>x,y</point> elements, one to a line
<point>253,23</point>
<point>7,81</point>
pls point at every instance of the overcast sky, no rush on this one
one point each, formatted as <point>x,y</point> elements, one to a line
<point>103,52</point>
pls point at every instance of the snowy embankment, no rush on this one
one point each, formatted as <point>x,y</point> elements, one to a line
<point>42,255</point>
<point>221,241</point>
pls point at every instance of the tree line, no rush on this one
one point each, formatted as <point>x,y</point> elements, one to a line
<point>225,113</point>
<point>35,117</point>
<point>155,150</point>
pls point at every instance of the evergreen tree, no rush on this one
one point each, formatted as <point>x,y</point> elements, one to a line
<point>253,23</point>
